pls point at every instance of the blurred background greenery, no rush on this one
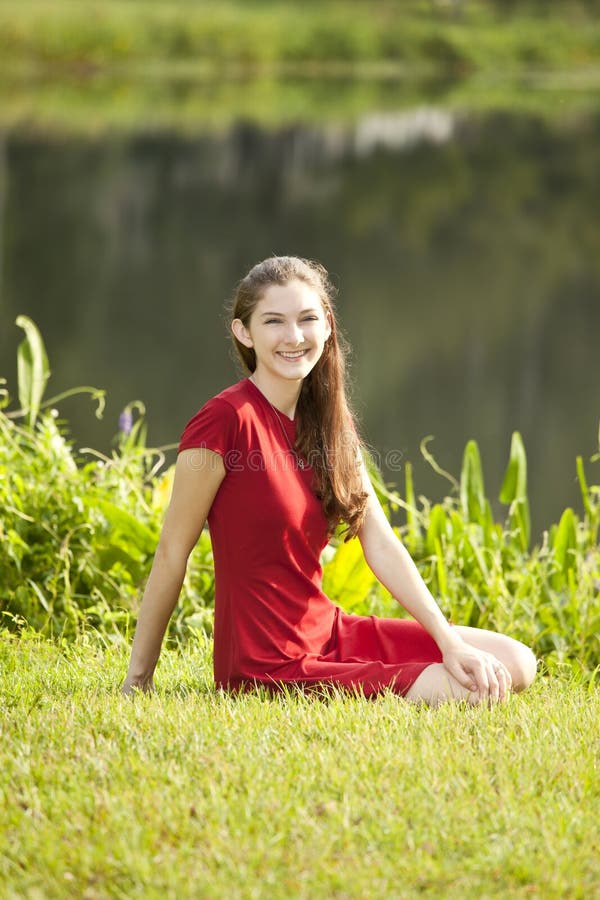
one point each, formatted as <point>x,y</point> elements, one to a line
<point>440,158</point>
<point>90,64</point>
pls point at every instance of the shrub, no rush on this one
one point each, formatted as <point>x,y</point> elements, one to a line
<point>77,535</point>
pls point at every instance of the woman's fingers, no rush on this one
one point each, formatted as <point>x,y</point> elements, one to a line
<point>489,679</point>
<point>488,683</point>
<point>494,685</point>
<point>504,680</point>
<point>463,675</point>
<point>498,681</point>
<point>479,672</point>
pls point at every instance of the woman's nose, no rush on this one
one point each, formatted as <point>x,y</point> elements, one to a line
<point>294,334</point>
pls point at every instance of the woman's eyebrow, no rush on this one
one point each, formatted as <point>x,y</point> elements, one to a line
<point>301,313</point>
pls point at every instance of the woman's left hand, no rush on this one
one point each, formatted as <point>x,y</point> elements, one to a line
<point>478,671</point>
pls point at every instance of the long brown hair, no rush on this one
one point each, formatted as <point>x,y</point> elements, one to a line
<point>326,433</point>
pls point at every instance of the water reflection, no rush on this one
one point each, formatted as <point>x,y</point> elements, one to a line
<point>465,249</point>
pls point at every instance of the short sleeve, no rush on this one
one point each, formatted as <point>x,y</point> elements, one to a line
<point>214,427</point>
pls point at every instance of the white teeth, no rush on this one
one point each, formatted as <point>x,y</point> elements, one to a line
<point>293,355</point>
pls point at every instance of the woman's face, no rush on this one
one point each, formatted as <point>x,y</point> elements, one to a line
<point>287,331</point>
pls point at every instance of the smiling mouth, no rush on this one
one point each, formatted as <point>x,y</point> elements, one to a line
<point>295,355</point>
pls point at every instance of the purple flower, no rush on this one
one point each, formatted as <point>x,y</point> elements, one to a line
<point>125,422</point>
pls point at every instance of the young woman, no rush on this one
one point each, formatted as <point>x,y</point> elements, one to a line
<point>274,463</point>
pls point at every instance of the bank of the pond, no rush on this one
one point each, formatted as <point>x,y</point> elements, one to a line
<point>120,64</point>
<point>330,36</point>
<point>185,102</point>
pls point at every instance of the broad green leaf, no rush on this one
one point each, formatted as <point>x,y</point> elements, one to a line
<point>457,526</point>
<point>520,522</point>
<point>32,369</point>
<point>472,494</point>
<point>436,528</point>
<point>126,525</point>
<point>514,486</point>
<point>564,545</point>
<point>514,492</point>
<point>347,579</point>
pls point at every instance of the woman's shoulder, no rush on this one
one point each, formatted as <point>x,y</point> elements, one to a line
<point>226,403</point>
<point>236,395</point>
<point>216,423</point>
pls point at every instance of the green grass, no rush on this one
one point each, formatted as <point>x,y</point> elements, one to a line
<point>193,793</point>
<point>90,65</point>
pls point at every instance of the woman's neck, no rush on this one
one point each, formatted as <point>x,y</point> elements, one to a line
<point>282,395</point>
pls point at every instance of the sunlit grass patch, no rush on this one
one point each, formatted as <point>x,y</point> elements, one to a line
<point>194,792</point>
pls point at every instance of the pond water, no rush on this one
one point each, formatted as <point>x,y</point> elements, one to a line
<point>466,250</point>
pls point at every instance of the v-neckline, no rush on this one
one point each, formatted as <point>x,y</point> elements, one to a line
<point>283,417</point>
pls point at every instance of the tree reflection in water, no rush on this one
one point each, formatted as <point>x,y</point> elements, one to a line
<point>464,246</point>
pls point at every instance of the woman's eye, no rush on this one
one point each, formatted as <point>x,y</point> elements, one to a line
<point>278,321</point>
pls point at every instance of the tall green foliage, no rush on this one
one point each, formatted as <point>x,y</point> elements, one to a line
<point>77,535</point>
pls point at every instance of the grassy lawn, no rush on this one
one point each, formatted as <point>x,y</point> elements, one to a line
<point>192,793</point>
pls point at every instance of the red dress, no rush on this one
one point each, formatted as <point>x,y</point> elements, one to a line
<point>273,623</point>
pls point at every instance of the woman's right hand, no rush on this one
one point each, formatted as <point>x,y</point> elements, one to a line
<point>132,685</point>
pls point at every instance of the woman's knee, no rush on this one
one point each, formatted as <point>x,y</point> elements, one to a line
<point>518,659</point>
<point>436,685</point>
<point>522,666</point>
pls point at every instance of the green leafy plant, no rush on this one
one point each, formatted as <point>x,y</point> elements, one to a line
<point>77,535</point>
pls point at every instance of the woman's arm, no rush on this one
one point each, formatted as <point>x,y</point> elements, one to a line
<point>393,566</point>
<point>198,475</point>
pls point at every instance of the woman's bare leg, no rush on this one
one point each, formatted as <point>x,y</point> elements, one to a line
<point>435,684</point>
